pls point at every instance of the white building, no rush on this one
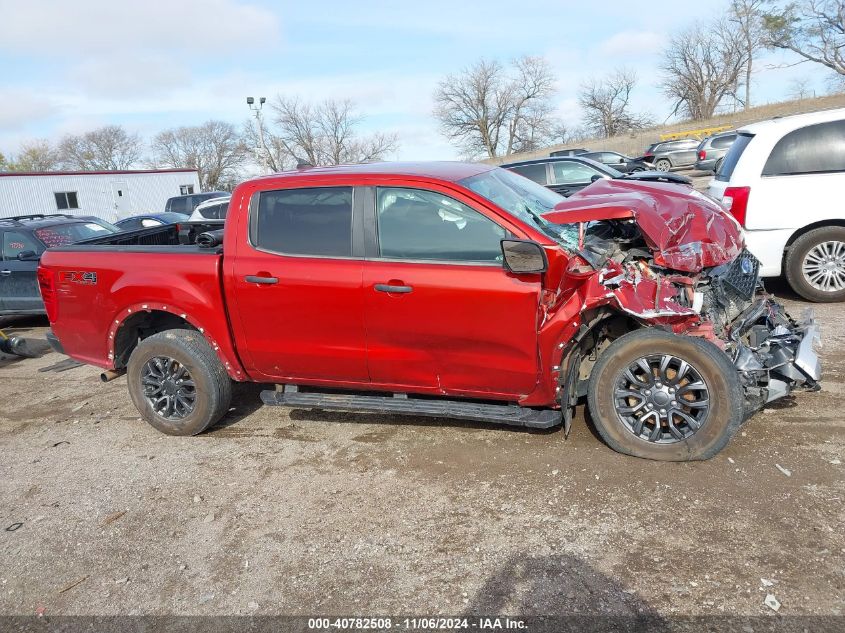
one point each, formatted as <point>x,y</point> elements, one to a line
<point>111,195</point>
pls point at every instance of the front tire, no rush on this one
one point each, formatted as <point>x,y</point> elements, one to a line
<point>815,265</point>
<point>663,165</point>
<point>665,397</point>
<point>177,383</point>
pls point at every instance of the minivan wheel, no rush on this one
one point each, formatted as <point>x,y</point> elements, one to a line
<point>177,383</point>
<point>815,264</point>
<point>662,165</point>
<point>666,397</point>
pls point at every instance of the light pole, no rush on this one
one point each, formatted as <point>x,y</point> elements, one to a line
<point>264,160</point>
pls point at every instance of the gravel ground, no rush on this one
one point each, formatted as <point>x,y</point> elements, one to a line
<point>278,511</point>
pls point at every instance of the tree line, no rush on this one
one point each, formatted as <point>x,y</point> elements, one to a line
<point>488,109</point>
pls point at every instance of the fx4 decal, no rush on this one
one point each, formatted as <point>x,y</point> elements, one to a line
<point>80,277</point>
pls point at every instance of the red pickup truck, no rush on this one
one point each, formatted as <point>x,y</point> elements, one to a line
<point>445,289</point>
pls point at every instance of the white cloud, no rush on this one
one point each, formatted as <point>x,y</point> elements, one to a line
<point>19,108</point>
<point>631,43</point>
<point>79,29</point>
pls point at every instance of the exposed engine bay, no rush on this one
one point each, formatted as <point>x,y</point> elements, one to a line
<point>725,304</point>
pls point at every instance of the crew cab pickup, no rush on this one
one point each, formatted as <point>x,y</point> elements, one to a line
<point>450,290</point>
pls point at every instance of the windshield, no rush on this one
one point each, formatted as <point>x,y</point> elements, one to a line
<point>62,234</point>
<point>524,199</point>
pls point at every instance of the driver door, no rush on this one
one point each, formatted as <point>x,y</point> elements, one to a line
<point>440,310</point>
<point>18,280</point>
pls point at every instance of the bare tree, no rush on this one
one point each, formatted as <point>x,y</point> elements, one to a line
<point>214,149</point>
<point>702,66</point>
<point>322,133</point>
<point>37,155</point>
<point>747,15</point>
<point>814,29</point>
<point>490,111</point>
<point>106,148</point>
<point>800,88</point>
<point>606,104</point>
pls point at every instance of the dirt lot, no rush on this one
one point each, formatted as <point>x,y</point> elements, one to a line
<point>278,511</point>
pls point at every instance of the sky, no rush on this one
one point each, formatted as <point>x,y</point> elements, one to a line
<point>67,67</point>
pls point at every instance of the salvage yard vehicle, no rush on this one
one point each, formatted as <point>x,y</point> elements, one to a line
<point>23,238</point>
<point>569,174</point>
<point>783,180</point>
<point>449,290</point>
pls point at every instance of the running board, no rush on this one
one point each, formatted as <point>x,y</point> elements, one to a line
<point>401,404</point>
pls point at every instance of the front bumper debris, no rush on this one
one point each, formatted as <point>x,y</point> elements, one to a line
<point>774,353</point>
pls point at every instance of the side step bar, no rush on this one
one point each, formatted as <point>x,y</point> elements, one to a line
<point>401,404</point>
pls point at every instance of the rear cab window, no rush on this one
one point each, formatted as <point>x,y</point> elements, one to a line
<point>732,157</point>
<point>304,222</point>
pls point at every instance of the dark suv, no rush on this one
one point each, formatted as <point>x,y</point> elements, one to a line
<point>186,204</point>
<point>668,155</point>
<point>23,239</point>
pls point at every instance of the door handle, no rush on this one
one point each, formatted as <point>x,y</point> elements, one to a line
<point>5,272</point>
<point>254,279</point>
<point>399,290</point>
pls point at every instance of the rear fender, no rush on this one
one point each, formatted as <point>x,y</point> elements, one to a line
<point>220,342</point>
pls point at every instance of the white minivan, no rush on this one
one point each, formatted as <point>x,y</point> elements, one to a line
<point>784,182</point>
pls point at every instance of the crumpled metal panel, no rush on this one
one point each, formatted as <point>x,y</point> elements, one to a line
<point>686,230</point>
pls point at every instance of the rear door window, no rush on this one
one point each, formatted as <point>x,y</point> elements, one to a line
<point>732,157</point>
<point>535,172</point>
<point>315,221</point>
<point>815,149</point>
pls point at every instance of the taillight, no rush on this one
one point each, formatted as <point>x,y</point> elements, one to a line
<point>702,154</point>
<point>735,200</point>
<point>47,284</point>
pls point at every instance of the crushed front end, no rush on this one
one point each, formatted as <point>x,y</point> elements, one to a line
<point>773,352</point>
<point>669,257</point>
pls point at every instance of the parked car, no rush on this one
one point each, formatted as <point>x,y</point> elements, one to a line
<point>712,150</point>
<point>186,204</point>
<point>455,289</point>
<point>149,220</point>
<point>24,238</point>
<point>619,162</point>
<point>568,152</point>
<point>208,216</point>
<point>668,155</point>
<point>568,175</point>
<point>783,180</point>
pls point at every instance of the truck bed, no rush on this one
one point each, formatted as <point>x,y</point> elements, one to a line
<point>101,287</point>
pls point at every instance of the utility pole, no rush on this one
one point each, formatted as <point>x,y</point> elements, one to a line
<point>265,160</point>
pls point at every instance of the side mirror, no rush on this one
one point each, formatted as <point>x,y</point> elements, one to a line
<point>27,256</point>
<point>595,177</point>
<point>524,256</point>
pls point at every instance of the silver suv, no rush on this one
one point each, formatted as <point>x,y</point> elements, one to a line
<point>668,155</point>
<point>712,150</point>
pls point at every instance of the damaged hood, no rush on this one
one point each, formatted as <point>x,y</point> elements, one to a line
<point>686,230</point>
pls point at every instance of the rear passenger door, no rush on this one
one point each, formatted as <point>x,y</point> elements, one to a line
<point>298,287</point>
<point>18,280</point>
<point>441,313</point>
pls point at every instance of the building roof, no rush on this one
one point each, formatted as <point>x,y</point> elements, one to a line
<point>94,173</point>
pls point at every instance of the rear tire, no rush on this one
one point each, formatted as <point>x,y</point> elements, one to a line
<point>638,424</point>
<point>663,165</point>
<point>807,259</point>
<point>177,383</point>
